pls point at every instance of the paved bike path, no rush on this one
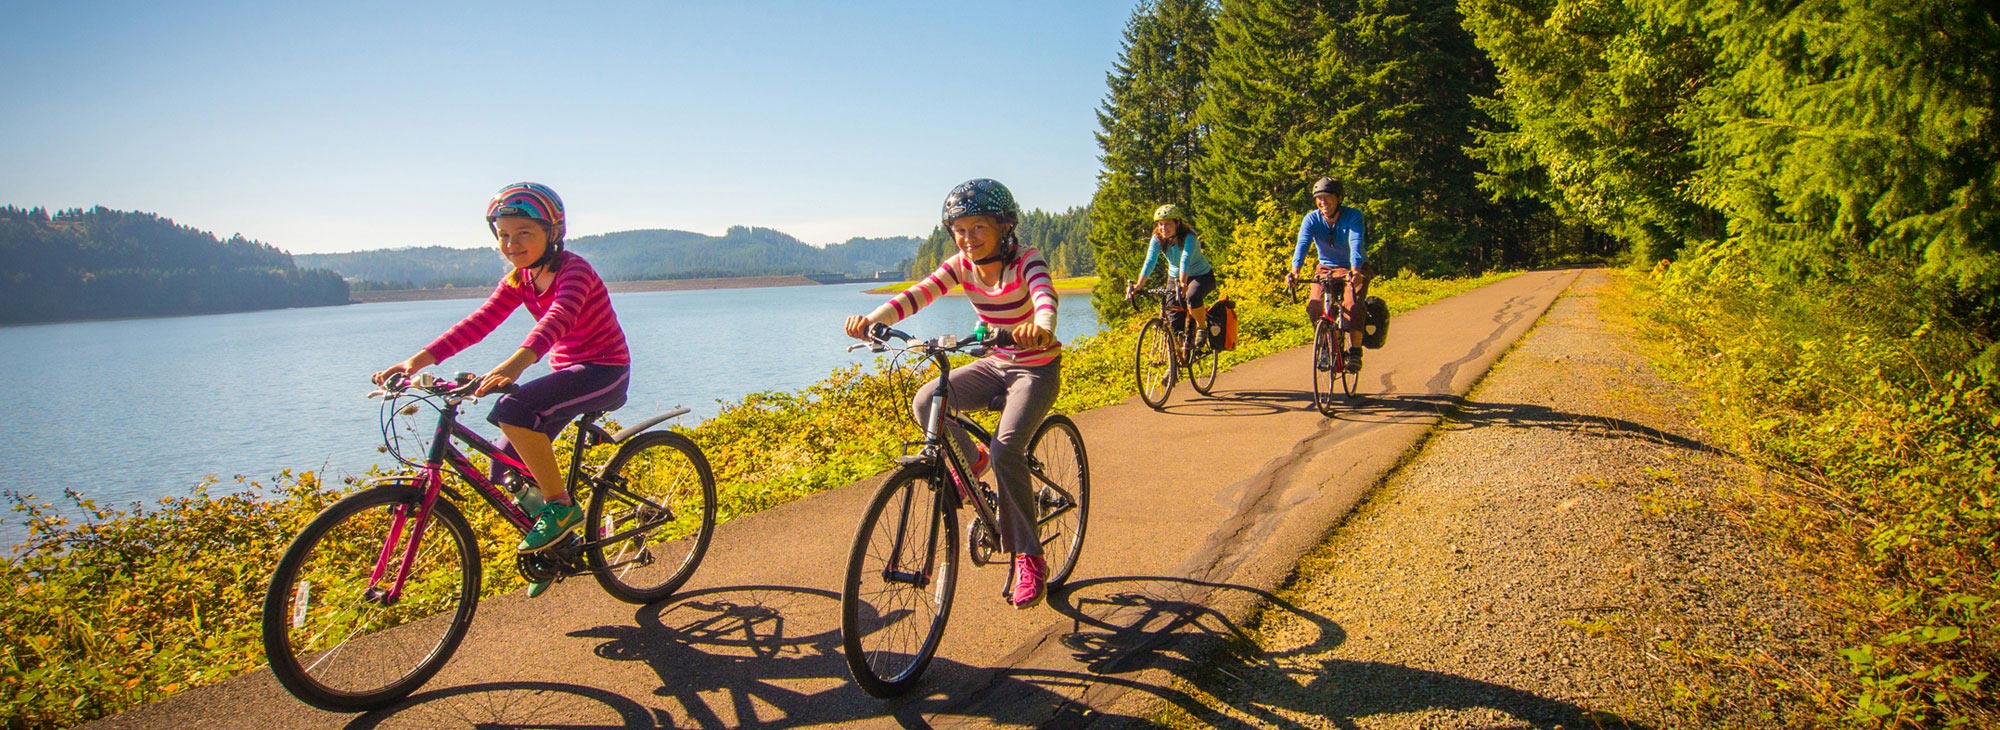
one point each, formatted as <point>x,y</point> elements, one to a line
<point>1196,514</point>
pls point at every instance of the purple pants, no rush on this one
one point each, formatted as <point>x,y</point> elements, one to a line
<point>550,402</point>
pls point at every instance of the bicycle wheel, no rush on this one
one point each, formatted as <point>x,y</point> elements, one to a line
<point>900,578</point>
<point>1062,493</point>
<point>651,517</point>
<point>1349,375</point>
<point>1327,357</point>
<point>1153,363</point>
<point>331,637</point>
<point>1204,361</point>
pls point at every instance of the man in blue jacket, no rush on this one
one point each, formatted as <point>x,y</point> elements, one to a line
<point>1336,233</point>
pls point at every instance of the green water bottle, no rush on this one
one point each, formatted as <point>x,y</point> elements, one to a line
<point>527,495</point>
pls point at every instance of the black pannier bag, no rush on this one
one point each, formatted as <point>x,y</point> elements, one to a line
<point>1376,333</point>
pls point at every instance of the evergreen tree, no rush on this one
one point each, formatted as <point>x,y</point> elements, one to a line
<point>96,263</point>
<point>1377,93</point>
<point>1255,112</point>
<point>1148,132</point>
<point>1393,82</point>
<point>1596,113</point>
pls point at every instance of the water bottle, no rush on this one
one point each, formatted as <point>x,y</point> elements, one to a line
<point>526,494</point>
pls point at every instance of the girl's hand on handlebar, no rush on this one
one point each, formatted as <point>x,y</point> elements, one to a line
<point>507,372</point>
<point>1028,335</point>
<point>857,327</point>
<point>405,368</point>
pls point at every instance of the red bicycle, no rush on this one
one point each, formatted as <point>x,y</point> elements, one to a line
<point>1330,362</point>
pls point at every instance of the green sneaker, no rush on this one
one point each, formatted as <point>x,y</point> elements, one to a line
<point>537,589</point>
<point>556,519</point>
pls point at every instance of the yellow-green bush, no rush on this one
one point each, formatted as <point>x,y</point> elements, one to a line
<point>1884,451</point>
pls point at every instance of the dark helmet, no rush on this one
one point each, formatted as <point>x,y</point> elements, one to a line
<point>1329,186</point>
<point>981,197</point>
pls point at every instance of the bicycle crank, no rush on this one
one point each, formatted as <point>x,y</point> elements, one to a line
<point>565,558</point>
<point>981,542</point>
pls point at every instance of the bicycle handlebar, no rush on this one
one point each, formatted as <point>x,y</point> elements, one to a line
<point>1332,272</point>
<point>460,385</point>
<point>879,334</point>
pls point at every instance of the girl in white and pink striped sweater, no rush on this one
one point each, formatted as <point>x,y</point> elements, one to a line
<point>1010,288</point>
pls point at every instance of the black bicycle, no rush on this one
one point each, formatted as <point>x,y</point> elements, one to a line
<point>1163,350</point>
<point>373,596</point>
<point>903,569</point>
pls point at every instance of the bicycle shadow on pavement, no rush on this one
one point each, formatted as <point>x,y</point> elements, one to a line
<point>737,657</point>
<point>1128,624</point>
<point>1461,413</point>
<point>1239,403</point>
<point>510,704</point>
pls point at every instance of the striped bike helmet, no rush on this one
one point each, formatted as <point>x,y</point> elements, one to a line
<point>534,201</point>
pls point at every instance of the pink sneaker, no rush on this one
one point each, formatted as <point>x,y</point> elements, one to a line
<point>1031,577</point>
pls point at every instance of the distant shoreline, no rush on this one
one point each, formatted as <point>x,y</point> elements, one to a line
<point>1072,285</point>
<point>616,287</point>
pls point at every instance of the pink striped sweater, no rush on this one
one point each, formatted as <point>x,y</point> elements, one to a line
<point>1025,290</point>
<point>573,319</point>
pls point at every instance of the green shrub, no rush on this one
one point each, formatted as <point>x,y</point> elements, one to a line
<point>1884,451</point>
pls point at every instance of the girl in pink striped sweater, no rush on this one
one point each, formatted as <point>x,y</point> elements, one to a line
<point>574,326</point>
<point>1010,288</point>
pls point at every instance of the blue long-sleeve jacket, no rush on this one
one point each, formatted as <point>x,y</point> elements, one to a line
<point>1341,244</point>
<point>1184,257</point>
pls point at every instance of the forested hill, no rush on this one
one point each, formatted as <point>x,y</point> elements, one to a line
<point>629,256</point>
<point>1062,238</point>
<point>101,263</point>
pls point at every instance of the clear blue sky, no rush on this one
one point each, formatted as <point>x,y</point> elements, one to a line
<point>343,126</point>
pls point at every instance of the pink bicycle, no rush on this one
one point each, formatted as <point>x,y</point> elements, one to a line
<point>373,596</point>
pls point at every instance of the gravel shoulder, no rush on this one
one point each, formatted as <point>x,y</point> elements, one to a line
<point>1562,552</point>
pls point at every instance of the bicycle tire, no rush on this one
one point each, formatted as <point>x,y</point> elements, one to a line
<point>653,471</point>
<point>1204,362</point>
<point>338,650</point>
<point>1348,378</point>
<point>891,630</point>
<point>1153,364</point>
<point>1327,358</point>
<point>1061,470</point>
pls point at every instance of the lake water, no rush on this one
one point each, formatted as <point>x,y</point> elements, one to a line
<point>133,410</point>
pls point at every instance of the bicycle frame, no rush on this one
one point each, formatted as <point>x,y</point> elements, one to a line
<point>1335,279</point>
<point>1172,300</point>
<point>938,443</point>
<point>431,480</point>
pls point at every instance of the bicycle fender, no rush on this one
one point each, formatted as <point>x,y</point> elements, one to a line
<point>640,427</point>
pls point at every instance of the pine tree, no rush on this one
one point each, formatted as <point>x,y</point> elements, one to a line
<point>1255,113</point>
<point>1594,113</point>
<point>1377,93</point>
<point>1148,132</point>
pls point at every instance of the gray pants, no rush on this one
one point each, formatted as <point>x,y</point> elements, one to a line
<point>1023,396</point>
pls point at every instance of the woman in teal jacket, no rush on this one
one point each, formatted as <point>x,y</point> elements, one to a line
<point>1175,242</point>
